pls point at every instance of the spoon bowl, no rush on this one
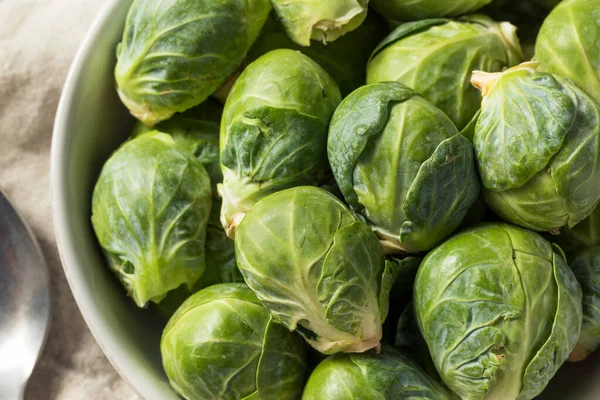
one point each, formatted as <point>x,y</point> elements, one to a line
<point>24,302</point>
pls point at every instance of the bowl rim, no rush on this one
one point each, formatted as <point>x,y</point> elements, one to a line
<point>60,210</point>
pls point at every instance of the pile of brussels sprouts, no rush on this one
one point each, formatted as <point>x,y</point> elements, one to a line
<point>386,206</point>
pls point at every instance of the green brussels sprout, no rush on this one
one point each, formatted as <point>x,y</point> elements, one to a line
<point>413,10</point>
<point>274,131</point>
<point>150,209</point>
<point>345,59</point>
<point>586,267</point>
<point>537,143</point>
<point>175,54</point>
<point>387,375</point>
<point>395,156</point>
<point>320,20</point>
<point>500,311</point>
<point>582,236</point>
<point>568,44</point>
<point>198,130</point>
<point>435,57</point>
<point>317,267</point>
<point>223,344</point>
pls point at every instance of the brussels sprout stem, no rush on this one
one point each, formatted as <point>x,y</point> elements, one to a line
<point>392,246</point>
<point>351,346</point>
<point>233,211</point>
<point>141,112</point>
<point>485,81</point>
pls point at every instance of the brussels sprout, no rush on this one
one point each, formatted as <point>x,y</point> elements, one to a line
<point>582,236</point>
<point>317,267</point>
<point>395,157</point>
<point>537,143</point>
<point>274,131</point>
<point>568,44</point>
<point>175,54</point>
<point>320,20</point>
<point>198,130</point>
<point>150,209</point>
<point>413,10</point>
<point>223,344</point>
<point>345,59</point>
<point>435,57</point>
<point>388,375</point>
<point>500,311</point>
<point>586,266</point>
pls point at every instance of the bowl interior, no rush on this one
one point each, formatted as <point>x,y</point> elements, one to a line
<point>91,122</point>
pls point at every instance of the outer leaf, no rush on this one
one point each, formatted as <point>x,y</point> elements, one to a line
<point>569,44</point>
<point>359,117</point>
<point>175,53</point>
<point>222,343</point>
<point>345,59</point>
<point>502,319</point>
<point>525,118</point>
<point>149,210</point>
<point>324,21</point>
<point>346,293</point>
<point>586,267</point>
<point>565,332</point>
<point>274,129</point>
<point>450,175</point>
<point>436,56</point>
<point>409,10</point>
<point>387,375</point>
<point>576,168</point>
<point>316,267</point>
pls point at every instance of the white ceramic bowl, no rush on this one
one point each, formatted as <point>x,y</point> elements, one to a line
<point>90,123</point>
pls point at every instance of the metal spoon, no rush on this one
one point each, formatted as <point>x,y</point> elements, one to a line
<point>24,302</point>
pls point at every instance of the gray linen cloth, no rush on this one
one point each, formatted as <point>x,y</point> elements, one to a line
<point>38,39</point>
